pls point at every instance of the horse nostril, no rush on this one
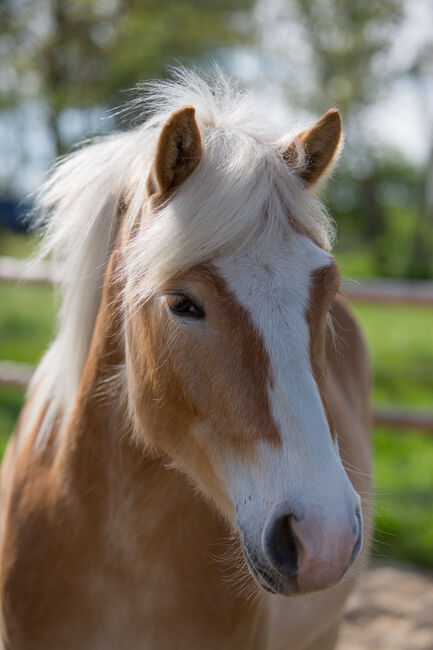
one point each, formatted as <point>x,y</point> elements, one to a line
<point>280,546</point>
<point>358,534</point>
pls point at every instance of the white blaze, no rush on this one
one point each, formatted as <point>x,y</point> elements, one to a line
<point>306,471</point>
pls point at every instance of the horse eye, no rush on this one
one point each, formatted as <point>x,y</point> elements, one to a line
<point>184,306</point>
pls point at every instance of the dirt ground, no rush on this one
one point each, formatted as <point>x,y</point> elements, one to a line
<point>392,609</point>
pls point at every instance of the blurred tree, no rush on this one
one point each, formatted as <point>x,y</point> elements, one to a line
<point>339,49</point>
<point>342,53</point>
<point>420,264</point>
<point>81,53</point>
<point>345,40</point>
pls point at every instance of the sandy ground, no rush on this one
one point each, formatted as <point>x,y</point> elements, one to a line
<point>392,609</point>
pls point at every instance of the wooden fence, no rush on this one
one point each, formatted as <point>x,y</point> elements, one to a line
<point>373,291</point>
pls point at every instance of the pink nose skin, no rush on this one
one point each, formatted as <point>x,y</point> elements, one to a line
<point>324,551</point>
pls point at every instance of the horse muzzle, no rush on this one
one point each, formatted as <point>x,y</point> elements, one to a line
<point>303,555</point>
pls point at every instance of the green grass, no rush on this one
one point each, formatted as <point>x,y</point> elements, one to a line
<point>401,347</point>
<point>404,494</point>
<point>27,320</point>
<point>15,245</point>
<point>11,400</point>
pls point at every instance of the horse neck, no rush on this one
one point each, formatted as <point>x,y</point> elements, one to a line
<point>142,530</point>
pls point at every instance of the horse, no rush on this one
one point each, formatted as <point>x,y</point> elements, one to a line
<point>191,469</point>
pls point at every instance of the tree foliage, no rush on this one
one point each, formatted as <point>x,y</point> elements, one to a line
<point>343,53</point>
<point>82,53</point>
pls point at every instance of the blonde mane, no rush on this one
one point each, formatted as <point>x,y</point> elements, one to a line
<point>240,196</point>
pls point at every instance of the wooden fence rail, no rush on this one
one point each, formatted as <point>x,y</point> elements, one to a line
<point>15,270</point>
<point>386,291</point>
<point>399,419</point>
<point>381,291</point>
<point>15,375</point>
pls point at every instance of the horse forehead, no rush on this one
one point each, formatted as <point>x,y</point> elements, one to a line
<point>280,283</point>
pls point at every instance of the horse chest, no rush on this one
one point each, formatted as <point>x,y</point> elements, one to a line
<point>125,579</point>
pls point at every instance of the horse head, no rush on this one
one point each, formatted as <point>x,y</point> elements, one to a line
<point>225,340</point>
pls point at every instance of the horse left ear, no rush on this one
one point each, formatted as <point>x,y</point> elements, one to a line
<point>315,150</point>
<point>178,153</point>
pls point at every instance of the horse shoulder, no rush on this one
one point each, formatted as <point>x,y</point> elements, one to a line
<point>40,527</point>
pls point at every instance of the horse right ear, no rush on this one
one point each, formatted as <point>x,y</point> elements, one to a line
<point>178,153</point>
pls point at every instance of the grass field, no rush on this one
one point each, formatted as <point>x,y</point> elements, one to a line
<point>401,346</point>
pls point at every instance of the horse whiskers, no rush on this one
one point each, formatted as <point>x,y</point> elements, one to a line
<point>235,571</point>
<point>353,468</point>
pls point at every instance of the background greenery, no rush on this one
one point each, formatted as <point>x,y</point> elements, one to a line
<point>66,63</point>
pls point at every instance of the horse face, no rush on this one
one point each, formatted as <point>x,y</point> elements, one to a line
<point>227,377</point>
<point>232,354</point>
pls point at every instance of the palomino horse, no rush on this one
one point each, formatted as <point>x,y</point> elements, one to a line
<point>175,480</point>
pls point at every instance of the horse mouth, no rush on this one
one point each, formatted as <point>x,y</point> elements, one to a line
<point>267,578</point>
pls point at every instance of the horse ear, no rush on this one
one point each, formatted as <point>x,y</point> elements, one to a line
<point>178,153</point>
<point>315,150</point>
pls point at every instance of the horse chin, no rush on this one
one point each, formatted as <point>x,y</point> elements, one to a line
<point>267,578</point>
